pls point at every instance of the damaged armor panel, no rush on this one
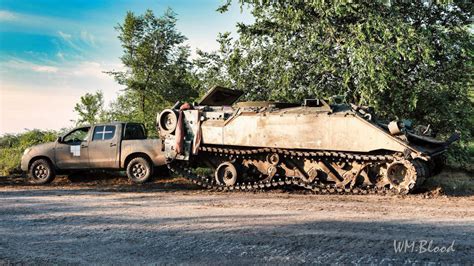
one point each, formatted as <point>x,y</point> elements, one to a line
<point>314,145</point>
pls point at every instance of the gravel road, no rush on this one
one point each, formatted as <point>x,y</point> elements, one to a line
<point>177,223</point>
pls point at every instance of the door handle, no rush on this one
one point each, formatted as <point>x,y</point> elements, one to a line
<point>113,144</point>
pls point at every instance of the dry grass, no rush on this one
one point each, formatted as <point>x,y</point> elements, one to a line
<point>452,182</point>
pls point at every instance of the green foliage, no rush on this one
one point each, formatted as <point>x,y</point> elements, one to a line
<point>90,108</point>
<point>127,108</point>
<point>12,147</point>
<point>157,67</point>
<point>407,59</point>
<point>211,68</point>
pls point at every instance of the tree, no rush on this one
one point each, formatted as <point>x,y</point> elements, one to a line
<point>12,147</point>
<point>157,67</point>
<point>407,59</point>
<point>210,68</point>
<point>90,108</point>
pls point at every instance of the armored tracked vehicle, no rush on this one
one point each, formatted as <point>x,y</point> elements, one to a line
<point>325,148</point>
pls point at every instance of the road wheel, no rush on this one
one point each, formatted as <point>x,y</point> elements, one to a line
<point>226,174</point>
<point>41,172</point>
<point>139,170</point>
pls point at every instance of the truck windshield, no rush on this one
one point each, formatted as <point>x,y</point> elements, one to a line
<point>134,131</point>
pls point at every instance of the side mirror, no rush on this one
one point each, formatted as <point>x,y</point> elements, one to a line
<point>59,139</point>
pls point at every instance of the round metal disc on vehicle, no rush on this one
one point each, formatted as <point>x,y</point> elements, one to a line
<point>226,174</point>
<point>40,171</point>
<point>167,121</point>
<point>402,176</point>
<point>139,170</point>
<point>395,127</point>
<point>273,158</point>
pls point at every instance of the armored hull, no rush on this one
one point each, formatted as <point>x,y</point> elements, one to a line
<point>314,145</point>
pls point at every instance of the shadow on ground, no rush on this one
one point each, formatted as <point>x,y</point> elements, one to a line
<point>450,182</point>
<point>74,233</point>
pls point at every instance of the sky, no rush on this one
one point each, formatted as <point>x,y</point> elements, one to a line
<point>54,51</point>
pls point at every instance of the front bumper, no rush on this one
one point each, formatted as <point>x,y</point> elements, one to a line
<point>25,159</point>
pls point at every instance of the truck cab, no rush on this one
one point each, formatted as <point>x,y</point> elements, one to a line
<point>111,146</point>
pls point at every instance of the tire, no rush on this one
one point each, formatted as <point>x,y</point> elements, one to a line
<point>139,170</point>
<point>41,172</point>
<point>167,121</point>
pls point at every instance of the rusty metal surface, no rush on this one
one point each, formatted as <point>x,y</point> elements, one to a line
<point>340,146</point>
<point>301,129</point>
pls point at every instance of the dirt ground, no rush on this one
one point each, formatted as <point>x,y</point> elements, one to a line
<point>112,221</point>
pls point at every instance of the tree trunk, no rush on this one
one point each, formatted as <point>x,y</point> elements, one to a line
<point>143,104</point>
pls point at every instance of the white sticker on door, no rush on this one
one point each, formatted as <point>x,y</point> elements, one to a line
<point>76,150</point>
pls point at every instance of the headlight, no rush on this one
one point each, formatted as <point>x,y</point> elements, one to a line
<point>26,151</point>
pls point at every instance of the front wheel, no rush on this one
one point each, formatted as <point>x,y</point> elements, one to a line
<point>41,172</point>
<point>139,170</point>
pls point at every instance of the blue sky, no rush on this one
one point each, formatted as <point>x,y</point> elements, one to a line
<point>52,52</point>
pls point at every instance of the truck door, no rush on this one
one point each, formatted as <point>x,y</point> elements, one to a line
<point>103,147</point>
<point>71,152</point>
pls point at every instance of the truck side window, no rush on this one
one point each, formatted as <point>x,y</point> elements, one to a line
<point>134,131</point>
<point>103,133</point>
<point>76,136</point>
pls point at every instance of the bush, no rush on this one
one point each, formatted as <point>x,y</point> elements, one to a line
<point>12,147</point>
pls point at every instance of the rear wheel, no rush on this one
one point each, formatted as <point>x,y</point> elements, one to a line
<point>139,170</point>
<point>41,172</point>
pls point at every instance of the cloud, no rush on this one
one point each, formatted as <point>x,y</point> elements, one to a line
<point>71,41</point>
<point>82,69</point>
<point>46,69</point>
<point>25,66</point>
<point>80,42</point>
<point>35,23</point>
<point>90,69</point>
<point>60,55</point>
<point>7,16</point>
<point>25,84</point>
<point>72,34</point>
<point>87,37</point>
<point>65,36</point>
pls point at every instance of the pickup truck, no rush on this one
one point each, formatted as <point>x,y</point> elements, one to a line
<point>112,146</point>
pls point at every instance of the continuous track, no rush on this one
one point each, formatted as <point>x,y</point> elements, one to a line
<point>418,171</point>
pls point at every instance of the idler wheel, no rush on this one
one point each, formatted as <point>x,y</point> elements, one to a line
<point>402,176</point>
<point>226,174</point>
